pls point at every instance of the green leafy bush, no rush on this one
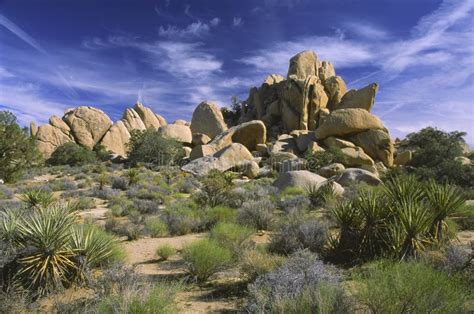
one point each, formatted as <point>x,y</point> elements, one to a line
<point>206,257</point>
<point>165,251</point>
<point>231,236</point>
<point>434,154</point>
<point>408,287</point>
<point>19,151</point>
<point>72,154</point>
<point>218,214</point>
<point>150,147</point>
<point>156,227</point>
<point>254,263</point>
<point>321,159</point>
<point>215,189</point>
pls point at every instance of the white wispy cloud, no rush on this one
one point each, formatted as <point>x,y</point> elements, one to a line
<point>365,30</point>
<point>215,21</point>
<point>237,21</point>
<point>196,29</point>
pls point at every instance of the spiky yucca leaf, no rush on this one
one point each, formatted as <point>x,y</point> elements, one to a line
<point>49,260</point>
<point>320,195</point>
<point>402,190</point>
<point>37,199</point>
<point>412,221</point>
<point>374,213</point>
<point>8,227</point>
<point>443,200</point>
<point>94,244</point>
<point>133,176</point>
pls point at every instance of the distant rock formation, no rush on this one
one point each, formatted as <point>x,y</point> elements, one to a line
<point>309,110</point>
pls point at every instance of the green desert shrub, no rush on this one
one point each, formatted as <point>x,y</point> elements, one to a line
<point>182,218</point>
<point>408,287</point>
<point>215,189</point>
<point>256,214</point>
<point>160,299</point>
<point>165,251</point>
<point>299,233</point>
<point>5,193</point>
<point>19,151</point>
<point>231,236</point>
<point>72,154</point>
<point>119,183</point>
<point>434,156</point>
<point>150,147</point>
<point>156,227</point>
<point>205,257</point>
<point>318,160</point>
<point>218,214</point>
<point>133,176</point>
<point>303,284</point>
<point>254,263</point>
<point>465,217</point>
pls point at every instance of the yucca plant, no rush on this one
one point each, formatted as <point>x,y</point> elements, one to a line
<point>411,226</point>
<point>37,199</point>
<point>443,200</point>
<point>48,261</point>
<point>132,176</point>
<point>349,222</point>
<point>102,180</point>
<point>374,213</point>
<point>94,245</point>
<point>9,224</point>
<point>320,195</point>
<point>403,189</point>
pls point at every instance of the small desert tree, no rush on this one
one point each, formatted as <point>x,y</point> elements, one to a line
<point>150,147</point>
<point>17,149</point>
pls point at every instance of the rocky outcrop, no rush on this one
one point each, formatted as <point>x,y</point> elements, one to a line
<point>377,144</point>
<point>200,139</point>
<point>227,158</point>
<point>353,176</point>
<point>331,170</point>
<point>48,138</point>
<point>116,139</point>
<point>178,132</point>
<point>132,121</point>
<point>363,98</point>
<point>88,125</point>
<point>207,119</point>
<point>33,129</point>
<point>355,156</point>
<point>148,117</point>
<point>404,157</point>
<point>249,134</point>
<point>300,178</point>
<point>345,122</point>
<point>335,88</point>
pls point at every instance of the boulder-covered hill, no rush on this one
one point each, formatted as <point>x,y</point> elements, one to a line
<point>309,109</point>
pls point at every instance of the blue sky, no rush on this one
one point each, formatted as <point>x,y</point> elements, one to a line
<point>173,54</point>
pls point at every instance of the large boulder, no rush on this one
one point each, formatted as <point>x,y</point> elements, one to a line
<point>355,156</point>
<point>149,118</point>
<point>377,144</point>
<point>33,129</point>
<point>48,138</point>
<point>88,125</point>
<point>227,158</point>
<point>345,122</point>
<point>353,176</point>
<point>178,132</point>
<point>331,170</point>
<point>249,134</point>
<point>325,70</point>
<point>299,178</point>
<point>363,98</point>
<point>161,119</point>
<point>200,139</point>
<point>61,125</point>
<point>303,65</point>
<point>403,157</point>
<point>132,120</point>
<point>335,88</point>
<point>207,119</point>
<point>285,143</point>
<point>334,142</point>
<point>116,139</point>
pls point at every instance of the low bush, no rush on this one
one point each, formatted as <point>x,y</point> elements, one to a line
<point>231,236</point>
<point>5,193</point>
<point>465,219</point>
<point>106,193</point>
<point>62,185</point>
<point>215,189</point>
<point>160,298</point>
<point>156,227</point>
<point>303,284</point>
<point>254,263</point>
<point>119,183</point>
<point>206,257</point>
<point>182,218</point>
<point>299,233</point>
<point>408,287</point>
<point>318,160</point>
<point>294,204</point>
<point>218,214</point>
<point>72,154</point>
<point>256,214</point>
<point>165,251</point>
